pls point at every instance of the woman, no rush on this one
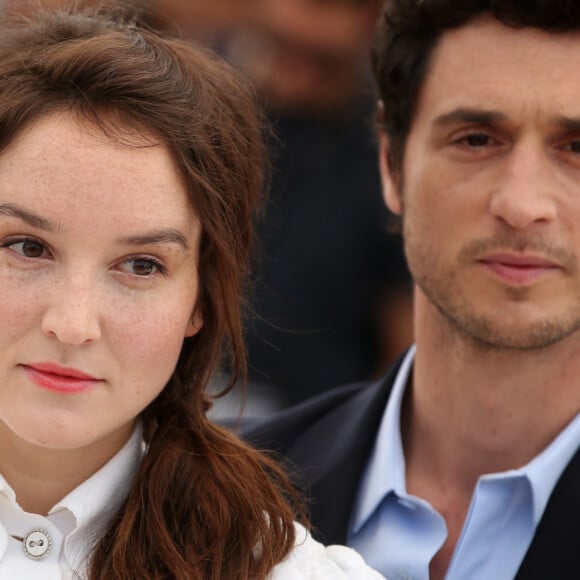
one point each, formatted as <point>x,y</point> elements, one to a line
<point>130,168</point>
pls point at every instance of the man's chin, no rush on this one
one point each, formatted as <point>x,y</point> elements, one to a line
<point>496,334</point>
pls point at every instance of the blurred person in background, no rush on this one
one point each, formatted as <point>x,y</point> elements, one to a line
<point>208,21</point>
<point>332,296</point>
<point>309,56</point>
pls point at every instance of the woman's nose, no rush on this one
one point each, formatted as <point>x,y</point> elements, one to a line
<point>72,313</point>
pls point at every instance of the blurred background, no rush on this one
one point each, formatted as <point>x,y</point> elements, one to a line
<point>331,293</point>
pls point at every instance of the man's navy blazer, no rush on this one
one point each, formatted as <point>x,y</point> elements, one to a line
<point>327,442</point>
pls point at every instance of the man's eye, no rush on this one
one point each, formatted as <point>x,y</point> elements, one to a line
<point>27,248</point>
<point>142,266</point>
<point>574,146</point>
<point>476,140</point>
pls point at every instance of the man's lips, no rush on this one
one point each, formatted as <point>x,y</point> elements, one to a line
<point>518,269</point>
<point>57,378</point>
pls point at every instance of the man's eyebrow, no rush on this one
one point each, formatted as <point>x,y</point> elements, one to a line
<point>483,117</point>
<point>568,123</point>
<point>467,115</point>
<point>164,236</point>
<point>12,210</point>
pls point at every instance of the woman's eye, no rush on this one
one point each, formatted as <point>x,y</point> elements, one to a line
<point>142,266</point>
<point>27,248</point>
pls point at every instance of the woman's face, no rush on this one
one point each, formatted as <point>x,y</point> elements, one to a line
<point>98,283</point>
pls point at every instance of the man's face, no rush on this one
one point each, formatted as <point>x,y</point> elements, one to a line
<point>490,193</point>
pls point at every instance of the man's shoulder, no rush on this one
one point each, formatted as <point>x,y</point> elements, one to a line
<point>278,431</point>
<point>325,444</point>
<point>356,403</point>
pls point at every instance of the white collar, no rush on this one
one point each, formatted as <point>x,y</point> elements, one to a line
<point>96,500</point>
<point>83,513</point>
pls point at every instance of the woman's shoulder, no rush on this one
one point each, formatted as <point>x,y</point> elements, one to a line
<point>310,560</point>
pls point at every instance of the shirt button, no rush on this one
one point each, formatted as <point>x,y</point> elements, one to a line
<point>403,575</point>
<point>37,544</point>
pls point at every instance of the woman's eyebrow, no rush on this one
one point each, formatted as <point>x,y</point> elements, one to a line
<point>163,236</point>
<point>13,210</point>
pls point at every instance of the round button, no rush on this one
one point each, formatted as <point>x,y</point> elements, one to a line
<point>37,544</point>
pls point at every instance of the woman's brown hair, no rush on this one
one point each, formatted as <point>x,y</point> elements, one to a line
<point>203,504</point>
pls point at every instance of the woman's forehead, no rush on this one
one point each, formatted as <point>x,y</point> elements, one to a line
<point>74,165</point>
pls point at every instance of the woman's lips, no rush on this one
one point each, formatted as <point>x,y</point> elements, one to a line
<point>61,379</point>
<point>518,269</point>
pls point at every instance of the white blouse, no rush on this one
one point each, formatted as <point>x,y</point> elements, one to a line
<point>310,560</point>
<point>65,534</point>
<point>54,547</point>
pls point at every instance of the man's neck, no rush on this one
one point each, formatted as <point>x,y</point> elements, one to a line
<point>470,410</point>
<point>488,410</point>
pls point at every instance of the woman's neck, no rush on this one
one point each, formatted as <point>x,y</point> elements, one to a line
<point>41,477</point>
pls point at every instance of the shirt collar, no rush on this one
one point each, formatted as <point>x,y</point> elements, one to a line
<point>96,500</point>
<point>6,490</point>
<point>82,514</point>
<point>544,470</point>
<point>385,472</point>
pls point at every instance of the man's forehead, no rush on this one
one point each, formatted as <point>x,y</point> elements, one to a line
<point>496,36</point>
<point>486,60</point>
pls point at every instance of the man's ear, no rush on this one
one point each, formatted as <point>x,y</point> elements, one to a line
<point>390,184</point>
<point>195,323</point>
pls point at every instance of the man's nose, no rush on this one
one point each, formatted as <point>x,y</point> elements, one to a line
<point>72,313</point>
<point>525,194</point>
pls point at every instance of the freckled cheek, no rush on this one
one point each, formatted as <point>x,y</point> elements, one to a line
<point>147,344</point>
<point>20,305</point>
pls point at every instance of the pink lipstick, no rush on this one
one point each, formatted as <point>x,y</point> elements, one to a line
<point>60,379</point>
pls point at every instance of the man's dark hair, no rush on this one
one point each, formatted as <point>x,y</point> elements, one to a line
<point>408,32</point>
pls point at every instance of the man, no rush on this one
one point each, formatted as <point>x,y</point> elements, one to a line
<point>463,462</point>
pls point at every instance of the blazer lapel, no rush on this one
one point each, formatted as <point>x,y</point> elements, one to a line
<point>332,455</point>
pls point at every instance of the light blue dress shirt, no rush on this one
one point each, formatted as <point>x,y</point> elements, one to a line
<point>398,534</point>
